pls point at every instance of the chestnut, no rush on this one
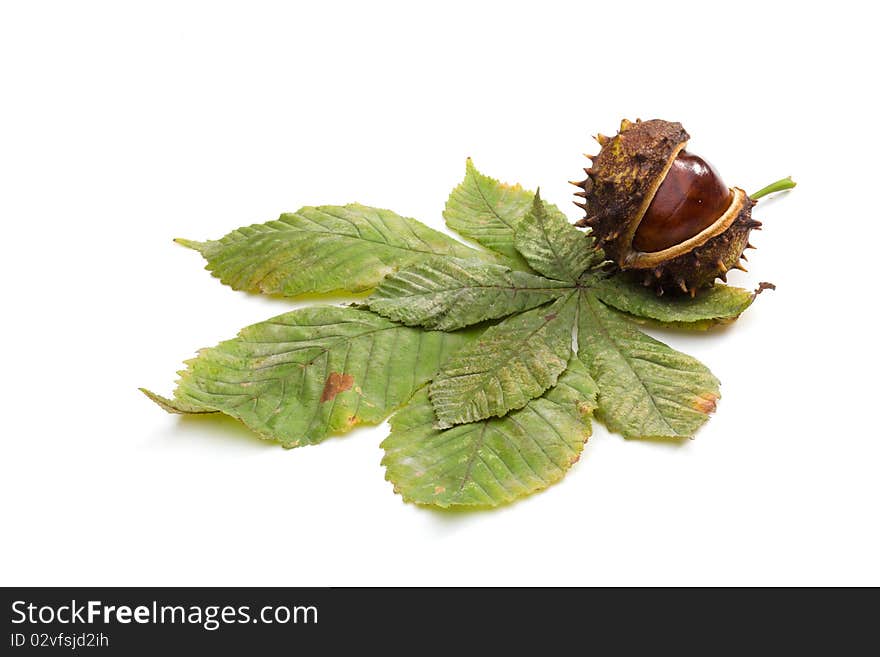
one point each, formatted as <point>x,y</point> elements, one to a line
<point>660,210</point>
<point>689,200</point>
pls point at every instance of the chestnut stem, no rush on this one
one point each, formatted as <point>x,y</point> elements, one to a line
<point>778,186</point>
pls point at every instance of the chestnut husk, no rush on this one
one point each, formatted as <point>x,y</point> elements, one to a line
<point>620,185</point>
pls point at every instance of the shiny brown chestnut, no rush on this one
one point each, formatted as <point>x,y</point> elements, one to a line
<point>689,200</point>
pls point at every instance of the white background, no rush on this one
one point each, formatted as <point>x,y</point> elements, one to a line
<point>124,125</point>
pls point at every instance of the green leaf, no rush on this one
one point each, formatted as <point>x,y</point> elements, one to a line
<point>514,361</point>
<point>552,246</point>
<point>493,461</point>
<point>718,304</point>
<point>487,211</point>
<point>313,372</point>
<point>447,294</point>
<point>178,406</point>
<point>646,389</point>
<point>325,249</point>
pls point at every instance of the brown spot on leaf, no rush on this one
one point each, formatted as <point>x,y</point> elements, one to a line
<point>439,489</point>
<point>335,384</point>
<point>550,317</point>
<point>705,403</point>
